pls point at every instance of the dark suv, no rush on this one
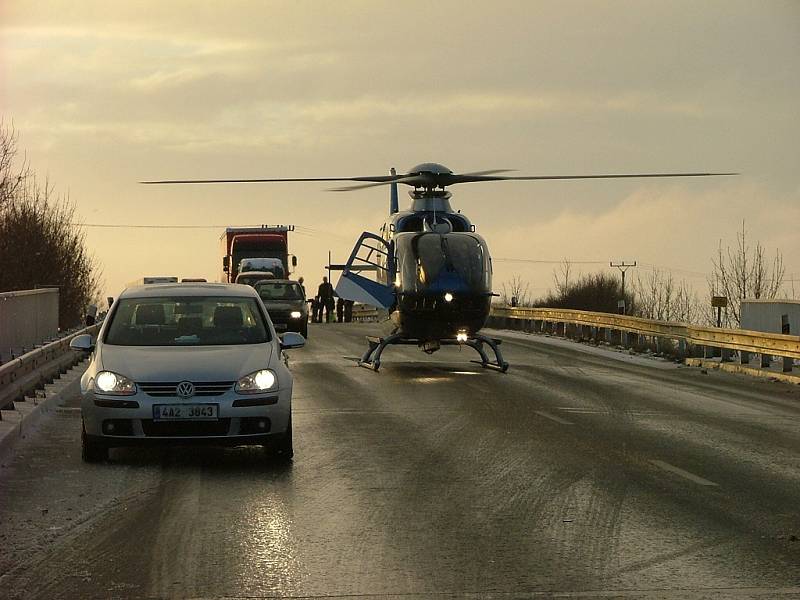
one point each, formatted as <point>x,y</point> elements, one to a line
<point>286,303</point>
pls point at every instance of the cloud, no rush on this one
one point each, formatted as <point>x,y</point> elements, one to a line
<point>105,94</point>
<point>671,227</point>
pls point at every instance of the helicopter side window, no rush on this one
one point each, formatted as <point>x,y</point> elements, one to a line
<point>459,223</point>
<point>411,223</point>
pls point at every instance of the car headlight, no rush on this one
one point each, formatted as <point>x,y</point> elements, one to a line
<point>260,381</point>
<point>295,314</point>
<point>107,382</point>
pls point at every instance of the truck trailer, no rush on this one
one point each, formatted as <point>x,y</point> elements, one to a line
<point>238,243</point>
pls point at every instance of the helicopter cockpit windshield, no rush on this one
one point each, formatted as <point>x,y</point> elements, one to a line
<point>446,262</point>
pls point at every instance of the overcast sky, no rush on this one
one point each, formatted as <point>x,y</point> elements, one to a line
<point>104,94</point>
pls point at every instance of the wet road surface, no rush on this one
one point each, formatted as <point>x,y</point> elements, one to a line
<point>576,474</point>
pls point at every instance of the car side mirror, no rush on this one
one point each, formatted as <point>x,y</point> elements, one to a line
<point>294,261</point>
<point>82,342</point>
<point>290,340</point>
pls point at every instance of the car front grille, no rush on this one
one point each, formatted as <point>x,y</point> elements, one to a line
<point>201,388</point>
<point>185,428</point>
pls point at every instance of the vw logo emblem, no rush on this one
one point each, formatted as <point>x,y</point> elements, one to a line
<point>185,389</point>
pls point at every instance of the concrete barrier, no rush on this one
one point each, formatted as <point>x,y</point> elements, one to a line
<point>27,318</point>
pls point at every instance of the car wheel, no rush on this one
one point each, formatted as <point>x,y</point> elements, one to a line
<point>92,451</point>
<point>304,330</point>
<point>281,448</point>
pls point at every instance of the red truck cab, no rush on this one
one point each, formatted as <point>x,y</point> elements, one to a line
<point>237,243</point>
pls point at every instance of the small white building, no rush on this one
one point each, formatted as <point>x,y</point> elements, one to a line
<point>767,315</point>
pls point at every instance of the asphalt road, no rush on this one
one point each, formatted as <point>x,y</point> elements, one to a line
<point>576,474</point>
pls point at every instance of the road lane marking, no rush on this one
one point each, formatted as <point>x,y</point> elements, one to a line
<point>685,474</point>
<point>546,415</point>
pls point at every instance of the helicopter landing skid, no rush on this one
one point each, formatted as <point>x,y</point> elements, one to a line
<point>372,357</point>
<point>477,342</point>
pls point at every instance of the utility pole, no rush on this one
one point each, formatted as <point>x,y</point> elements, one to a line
<point>622,266</point>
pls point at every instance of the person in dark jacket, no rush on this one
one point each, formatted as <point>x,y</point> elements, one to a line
<point>315,307</point>
<point>325,294</point>
<point>348,311</point>
<point>339,310</point>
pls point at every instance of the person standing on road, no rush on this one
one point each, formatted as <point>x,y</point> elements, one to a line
<point>325,295</point>
<point>310,301</point>
<point>339,310</point>
<point>348,311</point>
<point>315,309</point>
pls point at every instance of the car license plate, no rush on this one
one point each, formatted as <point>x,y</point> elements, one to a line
<point>185,412</point>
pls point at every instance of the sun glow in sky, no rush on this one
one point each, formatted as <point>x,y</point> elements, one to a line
<point>105,94</point>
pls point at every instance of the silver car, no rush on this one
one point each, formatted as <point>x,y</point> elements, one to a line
<point>187,363</point>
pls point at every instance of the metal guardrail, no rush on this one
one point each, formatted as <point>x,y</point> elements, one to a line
<point>32,370</point>
<point>746,342</point>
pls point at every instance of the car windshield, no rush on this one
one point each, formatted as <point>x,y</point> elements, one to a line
<point>269,265</point>
<point>279,291</point>
<point>187,321</point>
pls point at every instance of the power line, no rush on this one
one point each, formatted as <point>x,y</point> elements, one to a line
<point>301,229</point>
<point>310,231</point>
<point>148,226</point>
<point>550,262</point>
<point>648,266</point>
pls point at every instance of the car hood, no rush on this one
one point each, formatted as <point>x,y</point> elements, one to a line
<point>200,363</point>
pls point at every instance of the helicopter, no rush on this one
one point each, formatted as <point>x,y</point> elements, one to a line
<point>428,267</point>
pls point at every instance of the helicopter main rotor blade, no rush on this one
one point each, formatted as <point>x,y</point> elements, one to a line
<point>423,180</point>
<point>377,178</point>
<point>407,179</point>
<point>434,180</point>
<point>490,172</point>
<point>446,179</point>
<point>477,178</point>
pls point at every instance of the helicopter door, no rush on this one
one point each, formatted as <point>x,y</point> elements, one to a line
<point>371,254</point>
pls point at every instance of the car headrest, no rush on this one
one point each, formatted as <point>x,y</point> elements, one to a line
<point>228,316</point>
<point>188,325</point>
<point>150,314</point>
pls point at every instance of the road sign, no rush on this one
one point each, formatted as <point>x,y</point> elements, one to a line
<point>719,301</point>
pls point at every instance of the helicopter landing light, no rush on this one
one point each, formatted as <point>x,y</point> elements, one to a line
<point>448,297</point>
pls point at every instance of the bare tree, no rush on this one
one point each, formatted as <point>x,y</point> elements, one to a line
<point>743,272</point>
<point>562,277</point>
<point>11,179</point>
<point>659,297</point>
<point>39,245</point>
<point>516,289</point>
